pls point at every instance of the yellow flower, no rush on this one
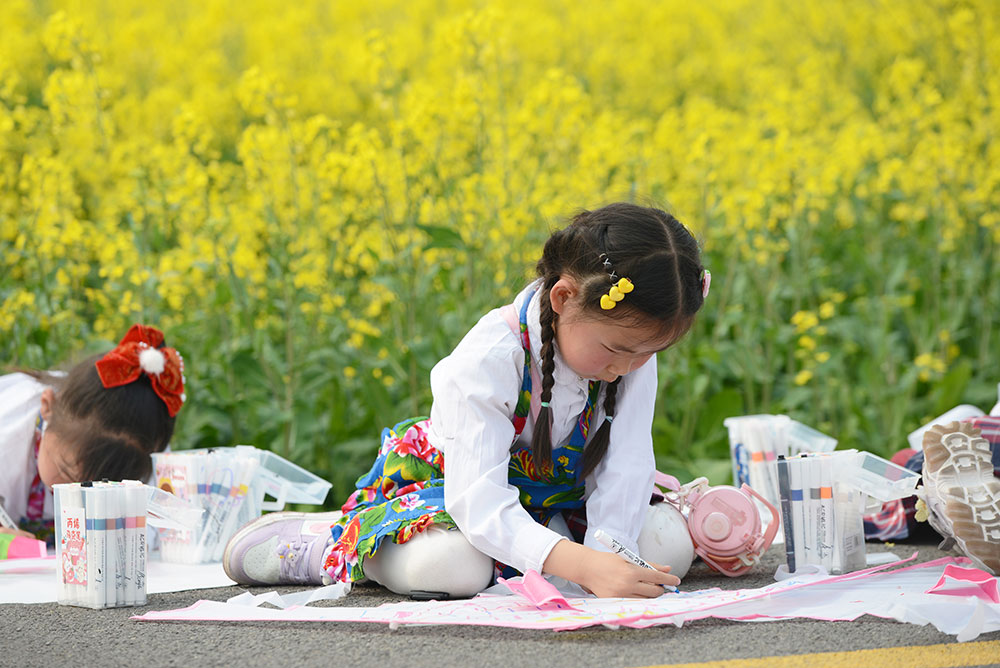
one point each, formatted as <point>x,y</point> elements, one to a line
<point>803,377</point>
<point>804,321</point>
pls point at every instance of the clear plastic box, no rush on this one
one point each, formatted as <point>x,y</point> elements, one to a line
<point>803,438</point>
<point>284,481</point>
<point>831,491</point>
<point>875,476</point>
<point>231,485</point>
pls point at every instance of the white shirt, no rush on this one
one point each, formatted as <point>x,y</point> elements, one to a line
<point>20,400</point>
<point>475,391</point>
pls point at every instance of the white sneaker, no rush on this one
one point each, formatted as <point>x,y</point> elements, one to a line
<point>961,492</point>
<point>280,548</point>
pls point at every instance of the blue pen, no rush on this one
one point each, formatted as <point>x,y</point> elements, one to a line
<point>625,553</point>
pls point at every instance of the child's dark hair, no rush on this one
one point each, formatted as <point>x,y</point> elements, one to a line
<point>649,247</point>
<point>114,430</point>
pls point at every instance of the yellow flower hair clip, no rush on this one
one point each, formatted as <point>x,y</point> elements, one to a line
<point>616,294</point>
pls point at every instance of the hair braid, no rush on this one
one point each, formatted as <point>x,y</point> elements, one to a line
<point>598,446</point>
<point>541,437</point>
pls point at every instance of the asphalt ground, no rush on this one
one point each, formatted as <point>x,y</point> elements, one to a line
<point>50,634</point>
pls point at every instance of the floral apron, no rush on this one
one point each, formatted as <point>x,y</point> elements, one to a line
<point>403,493</point>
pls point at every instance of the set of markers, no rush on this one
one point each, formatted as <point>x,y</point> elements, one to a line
<point>755,443</point>
<point>823,500</point>
<point>229,485</point>
<point>805,485</point>
<point>218,481</point>
<point>101,543</point>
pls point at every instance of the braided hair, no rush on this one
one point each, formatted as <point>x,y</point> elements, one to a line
<point>647,245</point>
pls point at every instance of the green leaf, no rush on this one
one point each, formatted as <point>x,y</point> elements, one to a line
<point>950,390</point>
<point>727,403</point>
<point>442,237</point>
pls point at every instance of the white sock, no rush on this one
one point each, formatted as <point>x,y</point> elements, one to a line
<point>323,575</point>
<point>437,560</point>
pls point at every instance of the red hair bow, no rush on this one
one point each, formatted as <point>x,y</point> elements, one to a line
<point>142,351</point>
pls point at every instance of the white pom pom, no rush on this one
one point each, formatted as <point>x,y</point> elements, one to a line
<point>152,361</point>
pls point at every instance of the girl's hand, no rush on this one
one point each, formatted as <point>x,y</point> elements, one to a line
<point>16,532</point>
<point>607,574</point>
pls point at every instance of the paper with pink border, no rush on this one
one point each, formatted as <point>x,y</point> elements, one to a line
<point>893,594</point>
<point>521,613</point>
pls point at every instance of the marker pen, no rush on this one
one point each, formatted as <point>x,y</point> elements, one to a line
<point>139,496</point>
<point>785,494</point>
<point>625,553</point>
<point>826,512</point>
<point>798,514</point>
<point>810,499</point>
<point>71,544</point>
<point>245,471</point>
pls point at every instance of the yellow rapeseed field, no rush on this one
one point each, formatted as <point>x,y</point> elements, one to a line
<point>316,199</point>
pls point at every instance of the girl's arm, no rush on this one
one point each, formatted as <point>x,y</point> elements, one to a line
<point>475,390</point>
<point>20,398</point>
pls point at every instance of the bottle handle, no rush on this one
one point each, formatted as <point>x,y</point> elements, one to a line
<point>772,528</point>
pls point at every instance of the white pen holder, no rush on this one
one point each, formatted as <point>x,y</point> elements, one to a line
<point>101,548</point>
<point>101,543</point>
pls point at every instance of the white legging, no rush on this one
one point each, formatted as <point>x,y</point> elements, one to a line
<point>442,562</point>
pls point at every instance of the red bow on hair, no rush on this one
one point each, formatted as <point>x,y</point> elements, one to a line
<point>142,351</point>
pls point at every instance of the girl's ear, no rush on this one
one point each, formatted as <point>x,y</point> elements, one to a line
<point>48,398</point>
<point>564,291</point>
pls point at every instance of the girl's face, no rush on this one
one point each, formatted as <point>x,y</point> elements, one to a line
<point>599,349</point>
<point>56,463</point>
<point>56,458</point>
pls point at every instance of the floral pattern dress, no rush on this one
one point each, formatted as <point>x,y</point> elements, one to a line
<point>403,493</point>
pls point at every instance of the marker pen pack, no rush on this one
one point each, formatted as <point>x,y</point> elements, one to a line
<point>823,499</point>
<point>756,442</point>
<point>101,540</point>
<point>230,485</point>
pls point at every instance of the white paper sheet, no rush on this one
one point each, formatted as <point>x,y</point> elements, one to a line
<point>900,594</point>
<point>34,580</point>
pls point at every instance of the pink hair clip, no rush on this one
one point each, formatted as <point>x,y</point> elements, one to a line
<point>706,282</point>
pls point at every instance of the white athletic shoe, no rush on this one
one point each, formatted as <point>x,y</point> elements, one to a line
<point>280,548</point>
<point>961,492</point>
